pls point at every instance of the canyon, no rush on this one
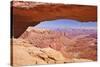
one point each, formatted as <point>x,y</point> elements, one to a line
<point>43,46</point>
<point>31,45</point>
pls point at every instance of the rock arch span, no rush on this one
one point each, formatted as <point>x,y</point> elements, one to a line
<point>22,17</point>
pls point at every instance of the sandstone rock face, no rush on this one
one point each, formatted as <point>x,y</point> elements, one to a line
<point>30,55</point>
<point>25,14</point>
<point>83,46</point>
<point>21,57</point>
<point>42,46</point>
<point>45,38</point>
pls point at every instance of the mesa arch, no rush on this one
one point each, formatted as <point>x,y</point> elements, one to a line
<point>23,17</point>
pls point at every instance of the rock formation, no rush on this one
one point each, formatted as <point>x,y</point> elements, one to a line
<point>42,46</point>
<point>73,47</point>
<point>25,14</point>
<point>26,54</point>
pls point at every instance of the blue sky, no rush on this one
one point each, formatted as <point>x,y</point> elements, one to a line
<point>65,23</point>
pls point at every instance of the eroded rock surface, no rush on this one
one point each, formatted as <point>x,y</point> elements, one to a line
<point>30,55</point>
<point>25,14</point>
<point>82,46</point>
<point>42,46</point>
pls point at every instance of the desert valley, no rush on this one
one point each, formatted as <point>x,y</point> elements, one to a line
<point>55,46</point>
<point>60,34</point>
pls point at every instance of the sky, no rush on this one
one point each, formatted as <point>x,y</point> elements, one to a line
<point>65,23</point>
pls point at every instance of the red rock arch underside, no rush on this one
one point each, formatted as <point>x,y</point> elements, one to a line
<point>24,17</point>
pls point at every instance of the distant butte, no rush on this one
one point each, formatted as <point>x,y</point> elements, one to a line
<point>25,14</point>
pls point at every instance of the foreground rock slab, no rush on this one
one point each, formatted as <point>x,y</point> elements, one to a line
<point>30,55</point>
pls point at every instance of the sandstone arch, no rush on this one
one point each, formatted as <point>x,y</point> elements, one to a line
<point>22,17</point>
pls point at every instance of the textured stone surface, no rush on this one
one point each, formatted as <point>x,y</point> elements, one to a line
<point>25,14</point>
<point>41,46</point>
<point>81,46</point>
<point>30,55</point>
